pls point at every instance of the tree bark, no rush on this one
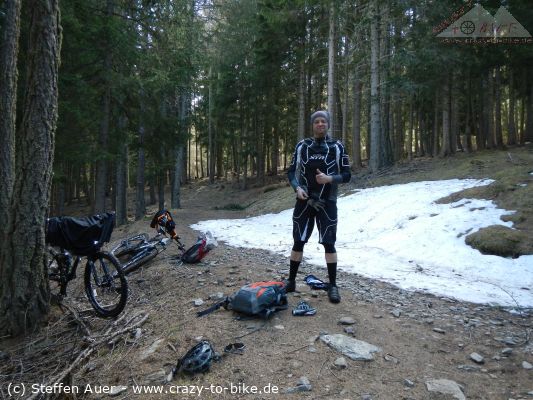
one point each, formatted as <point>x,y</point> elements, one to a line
<point>445,148</point>
<point>8,103</point>
<point>121,196</point>
<point>455,140</point>
<point>409,143</point>
<point>101,189</point>
<point>211,132</point>
<point>140,204</point>
<point>356,129</point>
<point>511,139</point>
<point>375,117</point>
<point>435,148</point>
<point>528,136</point>
<point>301,101</point>
<point>498,108</point>
<point>331,66</point>
<point>184,106</point>
<point>24,293</point>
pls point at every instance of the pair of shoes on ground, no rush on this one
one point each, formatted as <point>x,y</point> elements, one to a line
<point>333,291</point>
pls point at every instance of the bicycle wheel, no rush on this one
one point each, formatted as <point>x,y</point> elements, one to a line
<point>138,258</point>
<point>105,284</point>
<point>57,274</point>
<point>129,244</point>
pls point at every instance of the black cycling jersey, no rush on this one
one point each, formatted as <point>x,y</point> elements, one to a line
<point>328,156</point>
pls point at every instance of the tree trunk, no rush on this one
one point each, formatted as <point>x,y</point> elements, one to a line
<point>409,143</point>
<point>152,183</point>
<point>511,139</point>
<point>331,66</point>
<point>498,109</point>
<point>346,101</point>
<point>161,188</point>
<point>455,140</point>
<point>356,129</point>
<point>178,172</point>
<point>274,151</point>
<point>301,101</point>
<point>211,133</point>
<point>435,150</point>
<point>384,91</point>
<point>375,117</point>
<point>140,204</point>
<point>528,136</point>
<point>103,139</point>
<point>399,128</point>
<point>184,106</point>
<point>8,103</point>
<point>23,279</point>
<point>445,148</point>
<point>121,193</point>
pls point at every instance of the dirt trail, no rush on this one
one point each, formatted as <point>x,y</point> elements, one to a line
<point>421,337</point>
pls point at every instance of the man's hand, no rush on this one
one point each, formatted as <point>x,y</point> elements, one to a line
<point>301,194</point>
<point>322,178</point>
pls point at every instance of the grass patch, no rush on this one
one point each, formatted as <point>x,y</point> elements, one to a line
<point>499,240</point>
<point>233,206</point>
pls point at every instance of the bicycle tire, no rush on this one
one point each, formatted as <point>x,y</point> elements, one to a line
<point>105,284</point>
<point>57,274</point>
<point>129,244</point>
<point>131,266</point>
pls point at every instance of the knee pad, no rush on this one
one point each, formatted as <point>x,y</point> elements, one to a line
<point>298,246</point>
<point>329,248</point>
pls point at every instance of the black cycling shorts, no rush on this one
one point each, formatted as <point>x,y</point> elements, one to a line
<point>305,215</point>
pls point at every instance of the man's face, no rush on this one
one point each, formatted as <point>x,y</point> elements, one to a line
<point>320,127</point>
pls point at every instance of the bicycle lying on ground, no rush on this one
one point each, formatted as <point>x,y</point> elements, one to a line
<point>139,249</point>
<point>105,284</point>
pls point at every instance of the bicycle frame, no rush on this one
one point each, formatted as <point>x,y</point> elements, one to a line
<point>141,249</point>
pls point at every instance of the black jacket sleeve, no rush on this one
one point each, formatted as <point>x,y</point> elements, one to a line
<point>291,173</point>
<point>345,173</point>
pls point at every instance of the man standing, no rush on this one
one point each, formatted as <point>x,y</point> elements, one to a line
<point>318,165</point>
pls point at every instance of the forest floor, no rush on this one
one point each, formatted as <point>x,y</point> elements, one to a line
<point>422,338</point>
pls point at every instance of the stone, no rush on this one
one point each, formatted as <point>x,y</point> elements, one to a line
<point>477,358</point>
<point>439,330</point>
<point>347,321</point>
<point>340,363</point>
<point>354,349</point>
<point>137,334</point>
<point>157,377</point>
<point>445,386</point>
<point>295,364</point>
<point>116,390</point>
<point>469,368</point>
<point>349,330</point>
<point>152,349</point>
<point>526,365</point>
<point>396,313</point>
<point>304,380</point>
<point>507,351</point>
<point>279,327</point>
<point>91,366</point>
<point>509,341</point>
<point>217,296</point>
<point>198,302</point>
<point>408,383</point>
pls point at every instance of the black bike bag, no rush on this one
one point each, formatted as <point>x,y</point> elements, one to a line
<point>80,236</point>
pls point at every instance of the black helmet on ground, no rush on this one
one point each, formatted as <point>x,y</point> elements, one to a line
<point>197,359</point>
